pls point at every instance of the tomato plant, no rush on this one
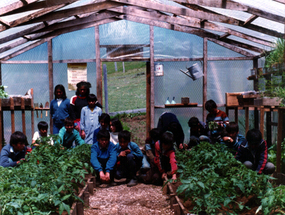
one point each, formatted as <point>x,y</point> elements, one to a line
<point>46,182</point>
<point>211,178</point>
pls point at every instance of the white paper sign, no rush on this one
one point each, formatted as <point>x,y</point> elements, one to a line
<point>76,72</point>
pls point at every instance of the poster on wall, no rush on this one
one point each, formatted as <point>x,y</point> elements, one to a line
<point>76,72</point>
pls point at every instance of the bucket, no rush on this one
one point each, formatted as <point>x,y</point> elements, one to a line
<point>195,71</point>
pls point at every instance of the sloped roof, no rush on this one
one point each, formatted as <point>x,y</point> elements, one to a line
<point>247,27</point>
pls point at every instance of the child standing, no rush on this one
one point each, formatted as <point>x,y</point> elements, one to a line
<point>129,157</point>
<point>165,156</point>
<point>115,128</point>
<point>104,157</point>
<point>68,134</point>
<point>59,108</point>
<point>89,120</point>
<point>13,153</point>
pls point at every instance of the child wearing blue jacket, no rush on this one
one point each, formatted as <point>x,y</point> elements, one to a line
<point>129,158</point>
<point>59,108</point>
<point>104,157</point>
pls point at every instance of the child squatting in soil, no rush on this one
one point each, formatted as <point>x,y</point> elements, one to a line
<point>129,157</point>
<point>165,156</point>
<point>253,153</point>
<point>104,157</point>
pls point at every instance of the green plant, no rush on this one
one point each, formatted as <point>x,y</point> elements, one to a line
<point>211,178</point>
<point>276,56</point>
<point>272,151</point>
<point>3,94</point>
<point>45,182</point>
<point>213,126</point>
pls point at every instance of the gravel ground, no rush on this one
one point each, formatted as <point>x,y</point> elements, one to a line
<point>138,200</point>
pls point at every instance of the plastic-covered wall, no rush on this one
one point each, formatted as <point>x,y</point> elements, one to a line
<point>223,76</point>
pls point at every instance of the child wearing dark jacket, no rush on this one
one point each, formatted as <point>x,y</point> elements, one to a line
<point>129,158</point>
<point>253,153</point>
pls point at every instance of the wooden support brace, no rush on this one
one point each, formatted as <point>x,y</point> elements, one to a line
<point>172,200</point>
<point>80,208</point>
<point>90,187</point>
<point>177,210</point>
<point>86,198</point>
<point>12,108</point>
<point>23,115</point>
<point>73,210</point>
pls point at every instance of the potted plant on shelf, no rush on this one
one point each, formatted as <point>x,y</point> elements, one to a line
<point>273,86</point>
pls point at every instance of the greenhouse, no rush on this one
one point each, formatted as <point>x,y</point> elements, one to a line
<point>189,49</point>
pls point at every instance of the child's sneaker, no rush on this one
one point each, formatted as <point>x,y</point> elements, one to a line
<point>132,183</point>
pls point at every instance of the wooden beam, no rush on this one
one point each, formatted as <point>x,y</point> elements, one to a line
<point>90,8</point>
<point>50,78</point>
<point>232,5</point>
<point>13,45</point>
<point>14,6</point>
<point>205,67</point>
<point>179,11</point>
<point>31,46</point>
<point>240,23</point>
<point>151,51</point>
<point>250,20</point>
<point>34,15</point>
<point>280,1</point>
<point>232,47</point>
<point>98,65</point>
<point>70,23</point>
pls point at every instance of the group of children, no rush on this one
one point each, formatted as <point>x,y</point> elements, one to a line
<point>114,156</point>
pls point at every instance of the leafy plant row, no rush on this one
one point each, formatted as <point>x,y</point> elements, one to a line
<point>213,180</point>
<point>46,182</point>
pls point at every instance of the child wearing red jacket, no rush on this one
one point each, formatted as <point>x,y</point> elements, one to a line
<point>165,156</point>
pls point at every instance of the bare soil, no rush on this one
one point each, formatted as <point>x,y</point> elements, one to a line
<point>122,200</point>
<point>137,126</point>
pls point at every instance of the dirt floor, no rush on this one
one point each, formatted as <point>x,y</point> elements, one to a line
<point>122,200</point>
<point>137,126</point>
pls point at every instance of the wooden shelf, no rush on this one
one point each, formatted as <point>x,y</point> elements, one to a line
<point>182,105</point>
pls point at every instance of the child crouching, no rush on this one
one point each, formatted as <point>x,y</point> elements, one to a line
<point>165,156</point>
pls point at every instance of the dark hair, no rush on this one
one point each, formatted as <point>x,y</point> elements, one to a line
<point>91,97</point>
<point>105,117</point>
<point>85,84</point>
<point>167,138</point>
<point>42,125</point>
<point>117,124</point>
<point>68,121</point>
<point>154,134</point>
<point>18,137</point>
<point>210,105</point>
<point>232,127</point>
<point>103,133</point>
<point>193,122</point>
<point>126,135</point>
<point>62,89</point>
<point>254,137</point>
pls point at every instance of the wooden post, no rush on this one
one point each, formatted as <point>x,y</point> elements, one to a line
<point>116,68</point>
<point>268,128</point>
<point>236,114</point>
<point>23,115</point>
<point>246,119</point>
<point>123,63</point>
<point>148,93</point>
<point>105,88</point>
<point>262,121</point>
<point>151,50</point>
<point>50,76</point>
<point>205,66</point>
<point>98,65</point>
<point>12,108</point>
<point>32,112</point>
<point>279,140</point>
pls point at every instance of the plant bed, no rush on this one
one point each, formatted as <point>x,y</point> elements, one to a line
<point>213,182</point>
<point>47,182</point>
